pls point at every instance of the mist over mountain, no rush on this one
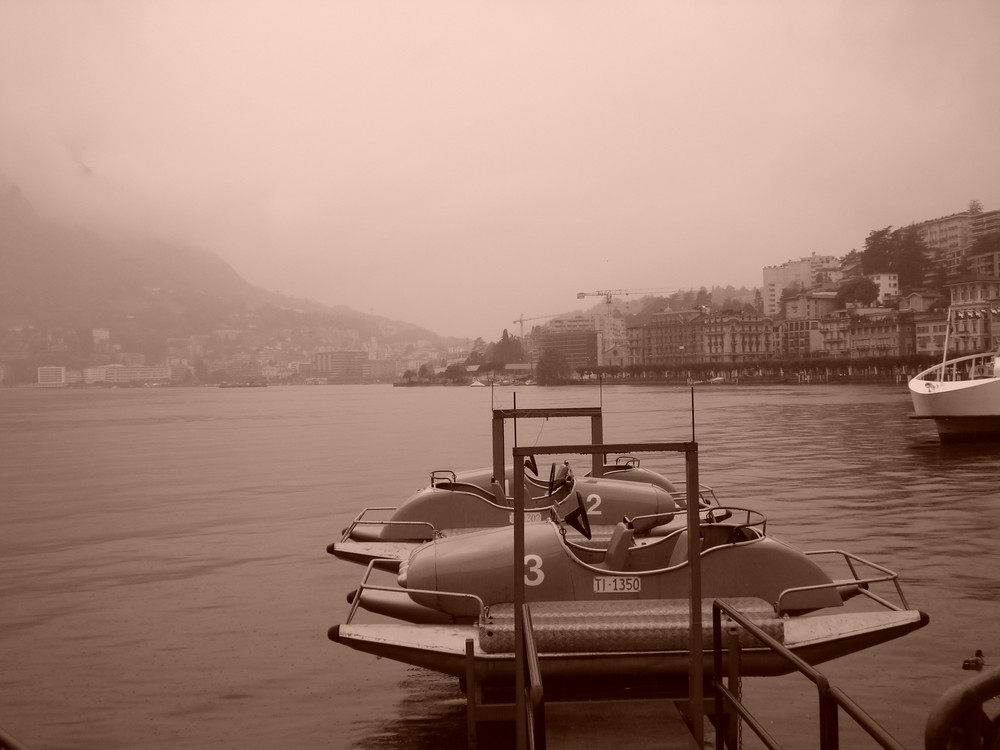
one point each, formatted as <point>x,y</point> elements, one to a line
<point>56,275</point>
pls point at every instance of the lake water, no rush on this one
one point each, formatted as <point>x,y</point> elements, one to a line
<point>164,580</point>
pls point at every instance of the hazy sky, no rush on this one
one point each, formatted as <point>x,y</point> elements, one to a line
<point>459,164</point>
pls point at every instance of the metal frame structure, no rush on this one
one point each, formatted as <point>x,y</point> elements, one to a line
<point>597,452</point>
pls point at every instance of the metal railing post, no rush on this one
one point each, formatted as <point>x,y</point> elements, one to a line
<point>733,723</point>
<point>518,567</point>
<point>696,676</point>
<point>829,731</point>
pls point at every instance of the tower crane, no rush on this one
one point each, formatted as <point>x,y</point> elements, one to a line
<point>535,317</point>
<point>608,294</point>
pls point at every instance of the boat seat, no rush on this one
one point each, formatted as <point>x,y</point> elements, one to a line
<point>498,492</point>
<point>621,539</point>
<point>679,554</point>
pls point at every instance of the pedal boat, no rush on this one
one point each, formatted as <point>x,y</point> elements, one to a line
<point>453,504</point>
<point>622,613</point>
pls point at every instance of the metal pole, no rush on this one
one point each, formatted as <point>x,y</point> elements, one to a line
<point>597,438</point>
<point>498,453</point>
<point>696,680</point>
<point>520,722</point>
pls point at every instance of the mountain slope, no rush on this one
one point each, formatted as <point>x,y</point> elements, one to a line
<point>54,275</point>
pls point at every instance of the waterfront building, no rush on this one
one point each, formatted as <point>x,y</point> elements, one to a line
<point>835,331</point>
<point>51,376</point>
<point>736,338</point>
<point>133,374</point>
<point>344,367</point>
<point>671,338</point>
<point>885,333</point>
<point>975,305</point>
<point>578,349</point>
<point>800,338</point>
<point>929,332</point>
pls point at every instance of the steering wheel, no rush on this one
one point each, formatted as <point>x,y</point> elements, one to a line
<point>577,518</point>
<point>723,514</point>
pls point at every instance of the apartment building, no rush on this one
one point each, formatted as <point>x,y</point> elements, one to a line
<point>887,283</point>
<point>930,330</point>
<point>805,272</point>
<point>130,374</point>
<point>51,376</point>
<point>578,349</point>
<point>950,238</point>
<point>670,338</point>
<point>810,305</point>
<point>882,335</point>
<point>737,338</point>
<point>347,367</point>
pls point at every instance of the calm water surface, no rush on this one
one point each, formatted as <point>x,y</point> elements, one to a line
<point>164,580</point>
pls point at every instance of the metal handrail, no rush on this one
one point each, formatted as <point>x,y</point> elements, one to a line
<point>706,496</point>
<point>958,719</point>
<point>360,520</point>
<point>830,698</point>
<point>534,694</point>
<point>850,559</point>
<point>365,586</point>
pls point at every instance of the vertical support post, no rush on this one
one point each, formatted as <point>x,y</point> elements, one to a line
<point>597,438</point>
<point>471,695</point>
<point>721,705</point>
<point>696,681</point>
<point>499,471</point>
<point>829,731</point>
<point>733,652</point>
<point>520,718</point>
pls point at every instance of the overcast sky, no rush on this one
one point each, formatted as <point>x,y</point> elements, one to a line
<point>460,164</point>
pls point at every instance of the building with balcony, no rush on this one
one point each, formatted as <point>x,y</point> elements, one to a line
<point>734,339</point>
<point>51,376</point>
<point>882,334</point>
<point>670,338</point>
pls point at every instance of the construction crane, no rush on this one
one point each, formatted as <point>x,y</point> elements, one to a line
<point>535,317</point>
<point>608,294</point>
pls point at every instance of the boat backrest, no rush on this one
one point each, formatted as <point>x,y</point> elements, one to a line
<point>679,554</point>
<point>621,539</point>
<point>499,496</point>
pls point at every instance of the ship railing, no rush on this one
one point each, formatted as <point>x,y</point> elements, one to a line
<point>831,699</point>
<point>475,604</point>
<point>862,583</point>
<point>969,367</point>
